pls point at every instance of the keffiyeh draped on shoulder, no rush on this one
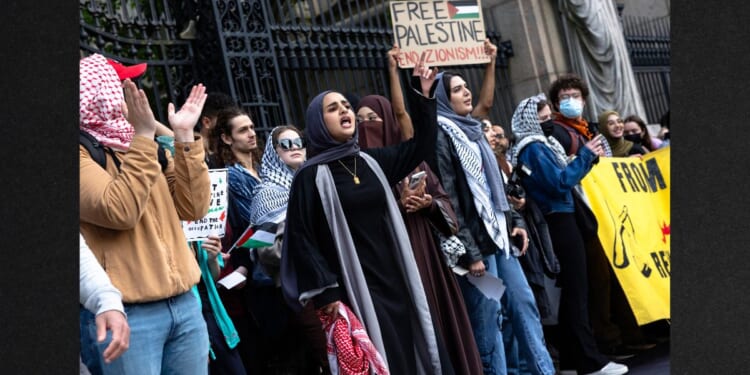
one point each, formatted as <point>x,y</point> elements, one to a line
<point>272,194</point>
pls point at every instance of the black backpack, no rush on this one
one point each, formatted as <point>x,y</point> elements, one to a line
<point>99,152</point>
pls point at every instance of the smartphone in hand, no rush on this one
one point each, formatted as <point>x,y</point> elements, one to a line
<point>416,178</point>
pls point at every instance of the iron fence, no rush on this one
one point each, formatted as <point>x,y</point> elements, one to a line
<point>648,44</point>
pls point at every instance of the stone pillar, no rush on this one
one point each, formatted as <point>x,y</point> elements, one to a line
<point>539,51</point>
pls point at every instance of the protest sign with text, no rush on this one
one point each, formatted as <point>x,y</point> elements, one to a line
<point>215,221</point>
<point>448,32</point>
<point>630,198</point>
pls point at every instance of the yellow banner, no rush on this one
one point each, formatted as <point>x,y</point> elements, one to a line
<point>630,198</point>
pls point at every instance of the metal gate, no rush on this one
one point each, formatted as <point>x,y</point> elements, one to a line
<point>280,54</point>
<point>271,56</point>
<point>648,43</point>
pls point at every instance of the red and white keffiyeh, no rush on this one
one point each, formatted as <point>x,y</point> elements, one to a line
<point>100,103</point>
<point>350,351</point>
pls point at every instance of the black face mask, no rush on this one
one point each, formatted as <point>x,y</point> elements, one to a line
<point>635,138</point>
<point>547,127</point>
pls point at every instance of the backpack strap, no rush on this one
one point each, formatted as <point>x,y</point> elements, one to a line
<point>99,152</point>
<point>574,137</point>
<point>94,148</point>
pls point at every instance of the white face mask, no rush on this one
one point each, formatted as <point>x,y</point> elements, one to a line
<point>571,108</point>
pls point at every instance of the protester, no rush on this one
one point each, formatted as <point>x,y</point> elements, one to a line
<point>298,341</point>
<point>612,126</point>
<point>345,243</point>
<point>550,182</point>
<point>568,96</point>
<point>468,171</point>
<point>130,215</point>
<point>423,207</point>
<point>99,296</point>
<point>235,145</point>
<point>637,132</point>
<point>215,103</point>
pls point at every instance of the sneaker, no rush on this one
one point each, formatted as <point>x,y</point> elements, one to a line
<point>611,368</point>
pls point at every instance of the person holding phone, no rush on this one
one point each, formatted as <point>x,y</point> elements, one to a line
<point>549,182</point>
<point>425,205</point>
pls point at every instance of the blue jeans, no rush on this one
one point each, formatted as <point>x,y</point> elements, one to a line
<point>523,315</point>
<point>484,316</point>
<point>166,337</point>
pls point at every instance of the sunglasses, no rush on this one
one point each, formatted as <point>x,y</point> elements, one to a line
<point>287,144</point>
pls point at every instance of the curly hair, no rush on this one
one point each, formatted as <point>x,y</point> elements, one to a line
<point>224,126</point>
<point>566,81</point>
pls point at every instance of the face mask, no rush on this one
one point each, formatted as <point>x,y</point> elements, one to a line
<point>371,134</point>
<point>635,138</point>
<point>571,108</point>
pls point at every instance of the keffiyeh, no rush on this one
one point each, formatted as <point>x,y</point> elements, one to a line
<point>526,129</point>
<point>350,351</point>
<point>481,168</point>
<point>272,194</point>
<point>100,103</point>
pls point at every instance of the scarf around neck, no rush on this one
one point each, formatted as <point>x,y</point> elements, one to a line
<point>272,194</point>
<point>480,169</point>
<point>100,103</point>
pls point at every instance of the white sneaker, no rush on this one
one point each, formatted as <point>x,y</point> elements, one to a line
<point>611,368</point>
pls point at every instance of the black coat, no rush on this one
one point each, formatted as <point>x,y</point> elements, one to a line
<point>471,230</point>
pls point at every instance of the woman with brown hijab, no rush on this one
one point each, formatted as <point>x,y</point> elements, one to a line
<point>612,127</point>
<point>423,207</point>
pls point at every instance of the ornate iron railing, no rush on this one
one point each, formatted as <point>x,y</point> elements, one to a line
<point>141,31</point>
<point>648,43</point>
<point>271,56</point>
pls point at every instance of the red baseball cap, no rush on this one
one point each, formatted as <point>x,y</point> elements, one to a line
<point>124,72</point>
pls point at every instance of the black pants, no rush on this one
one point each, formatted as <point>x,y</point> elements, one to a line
<point>228,361</point>
<point>577,346</point>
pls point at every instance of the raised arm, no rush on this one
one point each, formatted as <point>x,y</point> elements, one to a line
<point>397,95</point>
<point>487,93</point>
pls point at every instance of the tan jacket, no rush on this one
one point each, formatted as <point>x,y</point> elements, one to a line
<point>131,219</point>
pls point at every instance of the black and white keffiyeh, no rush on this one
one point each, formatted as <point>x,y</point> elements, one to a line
<point>272,194</point>
<point>481,167</point>
<point>526,129</point>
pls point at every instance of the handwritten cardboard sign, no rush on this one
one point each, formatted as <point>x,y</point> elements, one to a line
<point>215,221</point>
<point>449,32</point>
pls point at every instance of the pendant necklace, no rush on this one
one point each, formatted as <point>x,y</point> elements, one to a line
<point>356,179</point>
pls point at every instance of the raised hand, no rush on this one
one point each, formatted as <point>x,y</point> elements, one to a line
<point>183,121</point>
<point>490,49</point>
<point>137,110</point>
<point>426,74</point>
<point>393,57</point>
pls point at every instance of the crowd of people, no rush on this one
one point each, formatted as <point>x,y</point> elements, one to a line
<point>385,219</point>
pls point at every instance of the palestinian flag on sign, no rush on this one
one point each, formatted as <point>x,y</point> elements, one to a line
<point>257,236</point>
<point>463,9</point>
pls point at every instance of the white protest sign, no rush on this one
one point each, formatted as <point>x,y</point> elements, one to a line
<point>448,32</point>
<point>215,221</point>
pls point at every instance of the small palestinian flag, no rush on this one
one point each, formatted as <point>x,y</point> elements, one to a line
<point>463,9</point>
<point>257,236</point>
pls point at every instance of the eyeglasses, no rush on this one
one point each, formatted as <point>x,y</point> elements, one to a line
<point>499,136</point>
<point>576,95</point>
<point>287,144</point>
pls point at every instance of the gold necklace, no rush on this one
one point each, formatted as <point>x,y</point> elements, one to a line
<point>356,179</point>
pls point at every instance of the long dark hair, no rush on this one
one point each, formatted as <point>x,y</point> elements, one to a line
<point>224,126</point>
<point>645,136</point>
